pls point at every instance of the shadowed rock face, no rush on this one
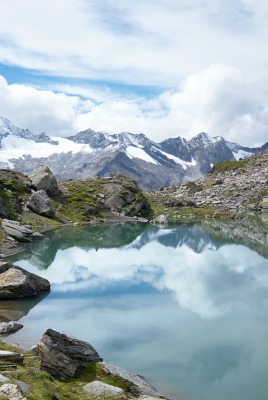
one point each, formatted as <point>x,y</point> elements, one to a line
<point>41,204</point>
<point>61,354</point>
<point>15,282</point>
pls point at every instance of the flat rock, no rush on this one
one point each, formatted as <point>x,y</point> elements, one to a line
<point>9,327</point>
<point>11,356</point>
<point>98,387</point>
<point>148,398</point>
<point>61,354</point>
<point>15,282</point>
<point>11,392</point>
<point>43,179</point>
<point>40,204</point>
<point>23,386</point>
<point>3,379</point>
<point>21,232</point>
<point>138,384</point>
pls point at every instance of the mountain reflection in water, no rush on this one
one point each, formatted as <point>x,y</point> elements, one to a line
<point>185,305</point>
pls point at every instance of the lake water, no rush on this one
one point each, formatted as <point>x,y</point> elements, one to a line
<point>185,305</point>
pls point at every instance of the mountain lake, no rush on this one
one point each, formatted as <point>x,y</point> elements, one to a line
<point>185,305</point>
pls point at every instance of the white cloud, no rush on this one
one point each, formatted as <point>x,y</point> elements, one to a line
<point>217,100</point>
<point>145,42</point>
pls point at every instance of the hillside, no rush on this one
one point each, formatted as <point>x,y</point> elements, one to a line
<point>92,200</point>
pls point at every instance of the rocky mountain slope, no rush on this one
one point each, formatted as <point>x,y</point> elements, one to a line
<point>231,189</point>
<point>90,154</point>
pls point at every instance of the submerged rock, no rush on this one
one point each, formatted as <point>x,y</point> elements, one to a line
<point>40,204</point>
<point>98,387</point>
<point>15,282</point>
<point>20,232</point>
<point>7,328</point>
<point>61,354</point>
<point>43,179</point>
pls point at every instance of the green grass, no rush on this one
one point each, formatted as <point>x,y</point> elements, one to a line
<point>228,166</point>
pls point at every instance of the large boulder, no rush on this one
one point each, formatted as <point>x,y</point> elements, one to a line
<point>137,384</point>
<point>15,282</point>
<point>43,179</point>
<point>98,387</point>
<point>40,204</point>
<point>20,232</point>
<point>61,354</point>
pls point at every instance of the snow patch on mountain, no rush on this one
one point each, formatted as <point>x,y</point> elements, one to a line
<point>14,147</point>
<point>241,154</point>
<point>136,152</point>
<point>184,164</point>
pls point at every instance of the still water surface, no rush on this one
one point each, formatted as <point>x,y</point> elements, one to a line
<point>183,305</point>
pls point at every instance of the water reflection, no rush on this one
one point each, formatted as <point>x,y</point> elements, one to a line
<point>185,305</point>
<point>14,310</point>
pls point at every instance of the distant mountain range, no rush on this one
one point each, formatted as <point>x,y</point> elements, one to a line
<point>91,153</point>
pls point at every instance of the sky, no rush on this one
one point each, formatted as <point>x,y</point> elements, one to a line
<point>164,68</point>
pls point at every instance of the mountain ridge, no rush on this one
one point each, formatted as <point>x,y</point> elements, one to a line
<point>90,153</point>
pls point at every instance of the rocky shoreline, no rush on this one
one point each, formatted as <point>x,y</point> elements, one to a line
<point>62,356</point>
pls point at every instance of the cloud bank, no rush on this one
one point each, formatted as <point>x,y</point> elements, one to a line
<point>217,100</point>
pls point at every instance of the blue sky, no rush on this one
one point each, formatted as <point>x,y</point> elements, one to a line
<point>165,68</point>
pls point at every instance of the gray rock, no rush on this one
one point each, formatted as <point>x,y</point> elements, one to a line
<point>98,387</point>
<point>264,203</point>
<point>3,379</point>
<point>20,232</point>
<point>40,204</point>
<point>34,349</point>
<point>43,179</point>
<point>61,354</point>
<point>11,392</point>
<point>15,282</point>
<point>11,356</point>
<point>162,219</point>
<point>137,384</point>
<point>23,386</point>
<point>148,398</point>
<point>9,327</point>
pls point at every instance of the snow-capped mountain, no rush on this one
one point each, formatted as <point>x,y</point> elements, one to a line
<point>90,153</point>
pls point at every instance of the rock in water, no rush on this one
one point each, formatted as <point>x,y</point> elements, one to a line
<point>162,219</point>
<point>7,328</point>
<point>20,232</point>
<point>98,387</point>
<point>40,204</point>
<point>43,179</point>
<point>61,354</point>
<point>15,282</point>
